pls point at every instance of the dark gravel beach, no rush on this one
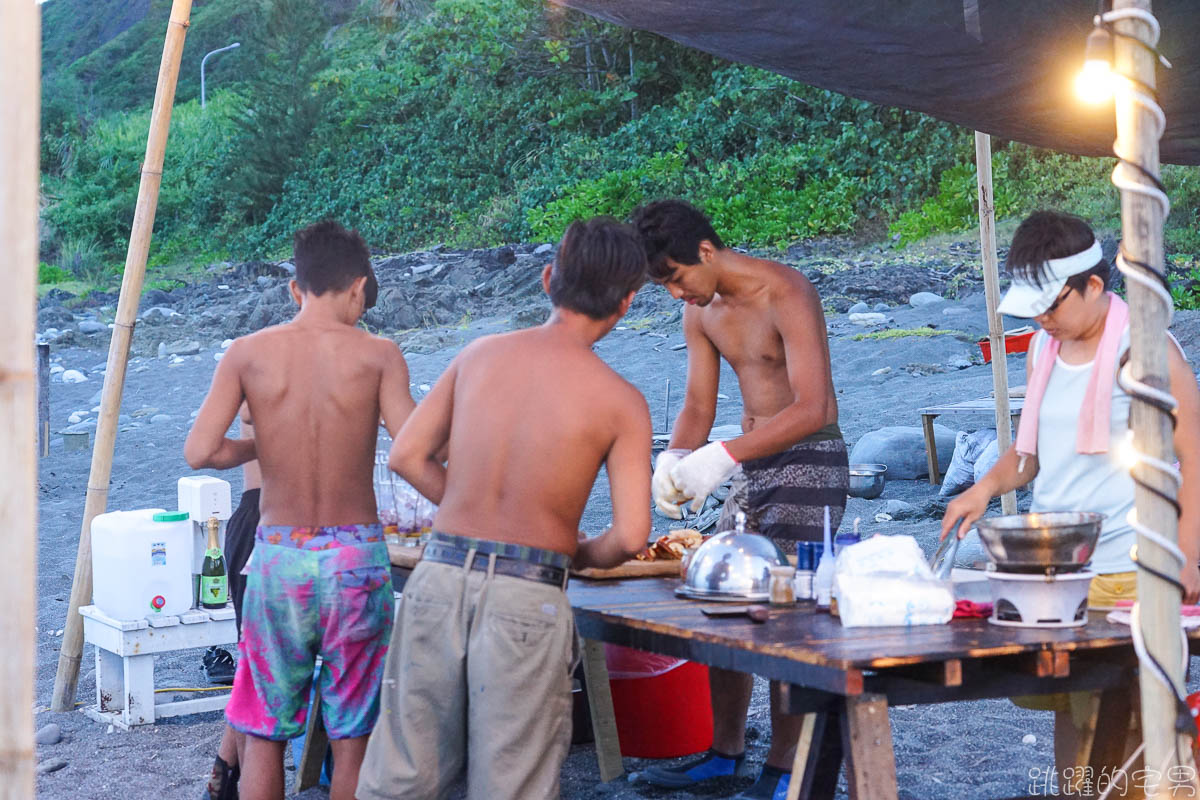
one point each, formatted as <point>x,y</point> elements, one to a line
<point>947,752</point>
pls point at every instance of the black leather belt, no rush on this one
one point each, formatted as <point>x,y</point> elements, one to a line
<point>512,567</point>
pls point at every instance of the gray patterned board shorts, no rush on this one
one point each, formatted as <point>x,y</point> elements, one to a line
<point>784,495</point>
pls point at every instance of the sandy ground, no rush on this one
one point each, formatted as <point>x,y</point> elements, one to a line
<point>952,751</point>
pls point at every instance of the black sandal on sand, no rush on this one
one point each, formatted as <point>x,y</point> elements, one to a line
<point>219,666</point>
<point>223,785</point>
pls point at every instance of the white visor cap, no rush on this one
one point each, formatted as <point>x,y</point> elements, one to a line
<point>1026,299</point>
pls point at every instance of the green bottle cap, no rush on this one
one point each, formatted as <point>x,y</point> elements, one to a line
<point>171,516</point>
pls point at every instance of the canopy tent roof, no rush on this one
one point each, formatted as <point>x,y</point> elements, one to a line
<point>1004,67</point>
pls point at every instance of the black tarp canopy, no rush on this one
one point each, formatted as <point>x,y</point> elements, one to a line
<point>1004,67</point>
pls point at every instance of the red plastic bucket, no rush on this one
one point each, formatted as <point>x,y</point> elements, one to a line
<point>662,705</point>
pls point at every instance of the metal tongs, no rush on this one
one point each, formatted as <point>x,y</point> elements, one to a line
<point>943,558</point>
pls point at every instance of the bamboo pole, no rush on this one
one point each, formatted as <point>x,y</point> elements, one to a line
<point>991,288</point>
<point>118,351</point>
<point>20,68</point>
<point>1141,229</point>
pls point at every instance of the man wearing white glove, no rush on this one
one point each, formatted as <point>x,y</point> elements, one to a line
<point>765,320</point>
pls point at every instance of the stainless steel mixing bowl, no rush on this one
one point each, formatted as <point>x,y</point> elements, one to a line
<point>866,480</point>
<point>732,566</point>
<point>1049,541</point>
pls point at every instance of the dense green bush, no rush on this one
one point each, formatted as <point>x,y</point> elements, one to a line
<point>482,121</point>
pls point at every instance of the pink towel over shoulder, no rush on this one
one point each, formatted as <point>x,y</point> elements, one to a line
<point>1095,417</point>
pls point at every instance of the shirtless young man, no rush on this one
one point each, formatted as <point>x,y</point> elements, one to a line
<point>484,644</point>
<point>765,319</point>
<point>319,580</point>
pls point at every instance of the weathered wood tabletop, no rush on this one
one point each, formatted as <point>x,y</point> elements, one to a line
<point>843,679</point>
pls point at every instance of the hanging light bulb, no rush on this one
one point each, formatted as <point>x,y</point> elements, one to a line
<point>1095,81</point>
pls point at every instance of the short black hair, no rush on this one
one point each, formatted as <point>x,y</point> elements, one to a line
<point>672,229</point>
<point>1044,235</point>
<point>599,261</point>
<point>330,258</point>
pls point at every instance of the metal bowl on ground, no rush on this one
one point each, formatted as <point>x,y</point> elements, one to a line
<point>1049,541</point>
<point>734,566</point>
<point>866,480</point>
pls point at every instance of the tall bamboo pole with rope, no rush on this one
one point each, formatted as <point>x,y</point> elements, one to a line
<point>1144,206</point>
<point>67,677</point>
<point>20,69</point>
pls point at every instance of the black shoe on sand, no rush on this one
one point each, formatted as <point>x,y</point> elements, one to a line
<point>772,784</point>
<point>219,666</point>
<point>707,765</point>
<point>223,785</point>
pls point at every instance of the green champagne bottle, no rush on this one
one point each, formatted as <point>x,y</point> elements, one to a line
<point>214,583</point>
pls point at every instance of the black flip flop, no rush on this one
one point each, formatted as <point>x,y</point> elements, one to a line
<point>219,666</point>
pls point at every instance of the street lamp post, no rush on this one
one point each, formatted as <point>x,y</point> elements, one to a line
<point>206,56</point>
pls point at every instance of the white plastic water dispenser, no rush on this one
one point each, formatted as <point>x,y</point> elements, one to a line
<point>203,497</point>
<point>141,563</point>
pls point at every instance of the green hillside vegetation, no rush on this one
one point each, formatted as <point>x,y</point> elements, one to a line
<point>477,122</point>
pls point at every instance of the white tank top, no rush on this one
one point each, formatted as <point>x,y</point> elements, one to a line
<point>1071,481</point>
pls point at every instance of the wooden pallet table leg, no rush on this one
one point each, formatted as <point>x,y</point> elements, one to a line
<point>316,743</point>
<point>1110,742</point>
<point>139,690</point>
<point>604,719</point>
<point>931,454</point>
<point>818,759</point>
<point>867,741</point>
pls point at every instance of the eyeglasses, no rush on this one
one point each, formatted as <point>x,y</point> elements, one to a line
<point>1057,302</point>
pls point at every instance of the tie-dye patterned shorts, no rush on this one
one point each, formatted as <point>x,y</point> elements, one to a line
<point>313,591</point>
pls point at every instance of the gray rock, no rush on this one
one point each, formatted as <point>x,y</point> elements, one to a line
<point>55,317</point>
<point>902,449</point>
<point>958,362</point>
<point>924,298</point>
<point>955,311</point>
<point>81,427</point>
<point>529,317</point>
<point>50,765</point>
<point>867,319</point>
<point>145,411</point>
<point>158,419</point>
<point>158,315</point>
<point>155,297</point>
<point>860,308</point>
<point>48,734</point>
<point>264,281</point>
<point>162,349</point>
<point>92,326</point>
<point>96,397</point>
<point>882,371</point>
<point>882,307</point>
<point>278,296</point>
<point>73,376</point>
<point>183,347</point>
<point>543,249</point>
<point>898,509</point>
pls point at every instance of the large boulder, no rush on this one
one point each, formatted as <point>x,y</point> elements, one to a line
<point>902,449</point>
<point>55,317</point>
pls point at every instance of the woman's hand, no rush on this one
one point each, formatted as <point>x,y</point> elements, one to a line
<point>967,507</point>
<point>1190,578</point>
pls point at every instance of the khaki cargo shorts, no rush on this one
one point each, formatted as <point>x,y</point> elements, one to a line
<point>479,664</point>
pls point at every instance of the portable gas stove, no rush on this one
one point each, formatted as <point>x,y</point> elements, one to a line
<point>1023,600</point>
<point>1037,574</point>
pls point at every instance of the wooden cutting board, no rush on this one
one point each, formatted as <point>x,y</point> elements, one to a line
<point>407,558</point>
<point>631,569</point>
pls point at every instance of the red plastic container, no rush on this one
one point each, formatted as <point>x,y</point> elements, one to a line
<point>1016,342</point>
<point>662,714</point>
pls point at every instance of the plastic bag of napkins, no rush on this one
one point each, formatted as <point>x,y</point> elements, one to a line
<point>885,580</point>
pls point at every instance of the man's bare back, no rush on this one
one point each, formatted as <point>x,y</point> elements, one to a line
<point>314,393</point>
<point>746,332</point>
<point>529,417</point>
<point>549,413</point>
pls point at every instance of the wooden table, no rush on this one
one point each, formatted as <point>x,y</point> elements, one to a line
<point>984,405</point>
<point>844,679</point>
